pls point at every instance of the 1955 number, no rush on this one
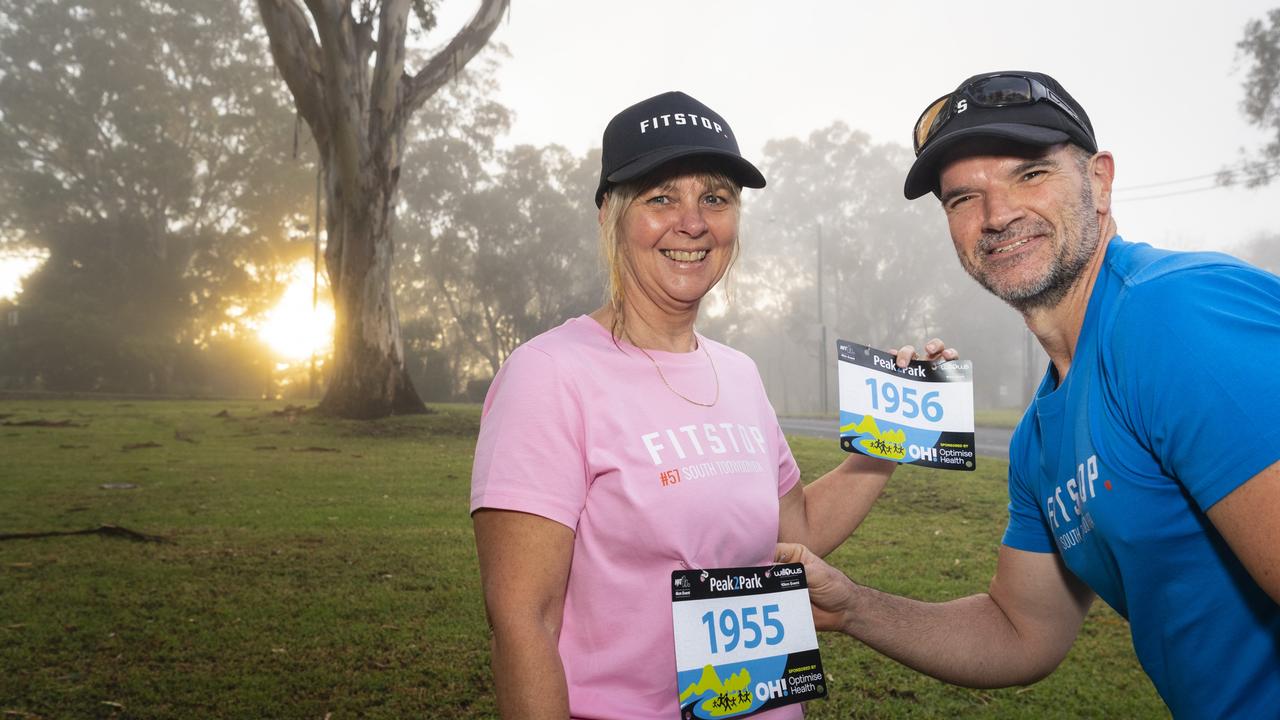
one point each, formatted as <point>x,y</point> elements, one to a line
<point>733,624</point>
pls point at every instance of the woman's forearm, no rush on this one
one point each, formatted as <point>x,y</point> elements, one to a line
<point>524,567</point>
<point>828,510</point>
<point>528,674</point>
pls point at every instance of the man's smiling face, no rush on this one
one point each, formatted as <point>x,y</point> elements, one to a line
<point>1023,221</point>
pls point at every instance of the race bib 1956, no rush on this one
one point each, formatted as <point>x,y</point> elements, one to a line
<point>921,414</point>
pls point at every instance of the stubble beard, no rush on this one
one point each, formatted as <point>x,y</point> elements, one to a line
<point>1064,271</point>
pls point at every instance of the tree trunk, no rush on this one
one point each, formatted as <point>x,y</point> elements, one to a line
<point>368,378</point>
<point>357,119</point>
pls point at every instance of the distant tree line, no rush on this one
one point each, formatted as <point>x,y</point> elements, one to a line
<point>145,149</point>
<point>151,152</point>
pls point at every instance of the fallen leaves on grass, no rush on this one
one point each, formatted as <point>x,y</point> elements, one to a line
<point>265,447</point>
<point>223,414</point>
<point>118,486</point>
<point>179,435</point>
<point>140,446</point>
<point>314,448</point>
<point>72,447</point>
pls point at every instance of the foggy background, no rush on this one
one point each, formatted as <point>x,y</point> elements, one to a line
<point>157,193</point>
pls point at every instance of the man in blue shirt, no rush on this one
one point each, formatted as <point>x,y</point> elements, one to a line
<point>1147,468</point>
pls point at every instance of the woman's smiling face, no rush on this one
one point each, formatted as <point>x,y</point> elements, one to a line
<point>678,239</point>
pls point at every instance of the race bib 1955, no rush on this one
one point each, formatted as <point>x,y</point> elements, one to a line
<point>745,640</point>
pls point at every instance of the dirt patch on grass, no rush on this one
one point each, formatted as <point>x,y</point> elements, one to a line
<point>41,422</point>
<point>114,531</point>
<point>420,426</point>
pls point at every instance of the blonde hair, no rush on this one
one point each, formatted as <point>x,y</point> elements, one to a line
<point>618,199</point>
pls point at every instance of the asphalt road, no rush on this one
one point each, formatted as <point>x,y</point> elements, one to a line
<point>991,441</point>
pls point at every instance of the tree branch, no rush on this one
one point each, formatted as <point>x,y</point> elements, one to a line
<point>342,92</point>
<point>297,55</point>
<point>384,94</point>
<point>454,57</point>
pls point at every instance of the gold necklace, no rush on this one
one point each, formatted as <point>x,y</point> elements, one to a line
<point>679,394</point>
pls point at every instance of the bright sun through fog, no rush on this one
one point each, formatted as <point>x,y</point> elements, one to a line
<point>291,328</point>
<point>15,266</point>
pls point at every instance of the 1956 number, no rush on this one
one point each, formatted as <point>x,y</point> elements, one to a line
<point>904,399</point>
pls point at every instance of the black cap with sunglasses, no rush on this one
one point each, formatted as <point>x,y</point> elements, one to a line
<point>1025,107</point>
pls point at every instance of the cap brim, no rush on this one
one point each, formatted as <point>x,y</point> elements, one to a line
<point>922,178</point>
<point>739,169</point>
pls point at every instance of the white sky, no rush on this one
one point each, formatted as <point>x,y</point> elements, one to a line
<point>1161,82</point>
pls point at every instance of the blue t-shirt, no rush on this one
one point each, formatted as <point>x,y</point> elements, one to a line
<point>1171,402</point>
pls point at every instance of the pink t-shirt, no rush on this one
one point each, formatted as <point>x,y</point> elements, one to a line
<point>584,432</point>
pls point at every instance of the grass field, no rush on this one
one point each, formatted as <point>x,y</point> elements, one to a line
<point>998,417</point>
<point>325,569</point>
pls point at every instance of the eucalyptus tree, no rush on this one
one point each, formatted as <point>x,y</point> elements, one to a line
<point>345,64</point>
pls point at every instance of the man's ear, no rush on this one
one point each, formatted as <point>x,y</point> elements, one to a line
<point>1102,172</point>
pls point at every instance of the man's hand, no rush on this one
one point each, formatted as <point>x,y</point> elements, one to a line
<point>1014,634</point>
<point>829,589</point>
<point>935,350</point>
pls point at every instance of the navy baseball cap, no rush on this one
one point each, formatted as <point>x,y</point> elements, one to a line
<point>1029,108</point>
<point>663,128</point>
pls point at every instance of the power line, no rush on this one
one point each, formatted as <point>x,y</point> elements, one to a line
<point>1241,166</point>
<point>1166,182</point>
<point>1189,191</point>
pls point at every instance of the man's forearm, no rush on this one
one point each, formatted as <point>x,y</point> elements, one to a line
<point>968,641</point>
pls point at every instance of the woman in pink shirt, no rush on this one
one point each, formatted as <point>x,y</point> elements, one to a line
<point>623,445</point>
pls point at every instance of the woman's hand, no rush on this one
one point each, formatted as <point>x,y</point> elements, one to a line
<point>822,514</point>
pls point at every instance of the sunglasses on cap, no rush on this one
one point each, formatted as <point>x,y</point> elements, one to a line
<point>995,91</point>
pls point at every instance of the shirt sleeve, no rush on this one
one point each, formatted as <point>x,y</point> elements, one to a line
<point>788,470</point>
<point>530,454</point>
<point>1027,529</point>
<point>1192,365</point>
